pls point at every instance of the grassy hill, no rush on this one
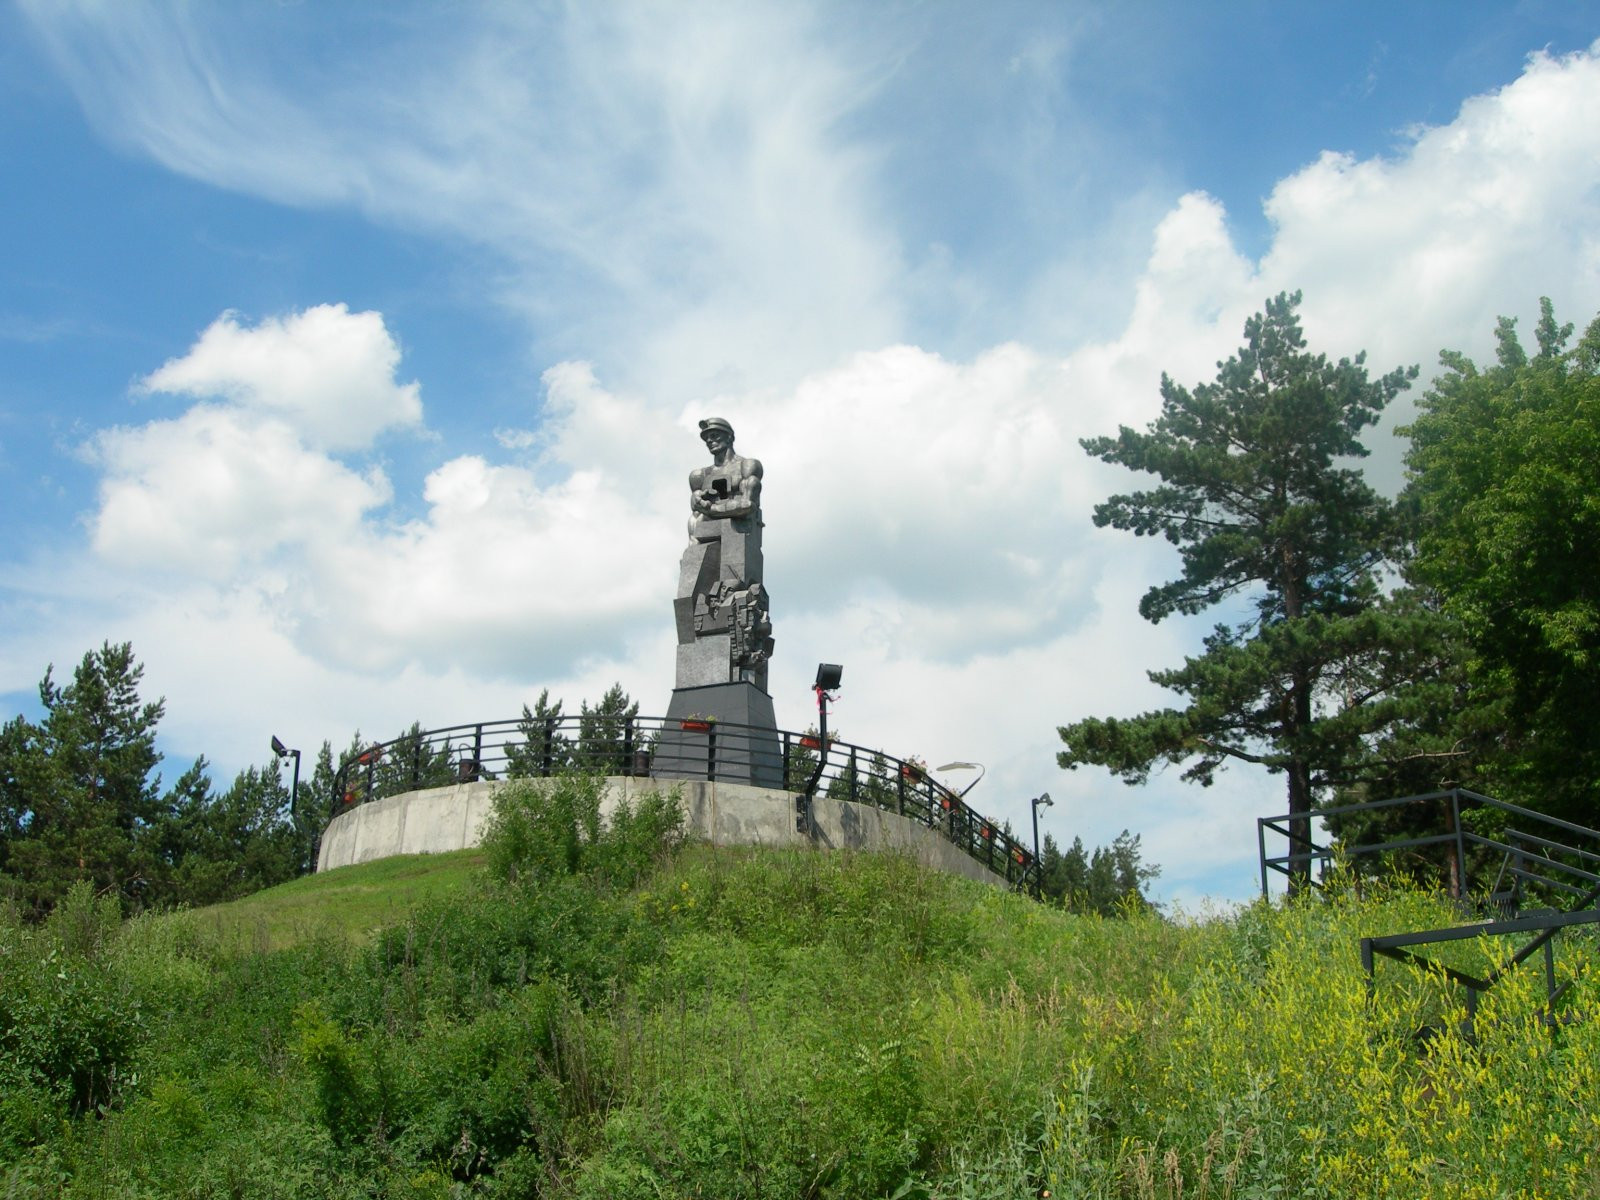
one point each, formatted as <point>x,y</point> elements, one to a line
<point>600,1016</point>
<point>353,902</point>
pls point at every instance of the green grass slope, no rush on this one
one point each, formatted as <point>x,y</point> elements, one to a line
<point>351,902</point>
<point>593,1018</point>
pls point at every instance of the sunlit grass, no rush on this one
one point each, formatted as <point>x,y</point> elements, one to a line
<point>349,902</point>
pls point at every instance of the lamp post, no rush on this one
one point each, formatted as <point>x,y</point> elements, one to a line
<point>1036,802</point>
<point>965,766</point>
<point>283,751</point>
<point>828,676</point>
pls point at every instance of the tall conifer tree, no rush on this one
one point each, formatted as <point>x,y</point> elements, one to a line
<point>1255,497</point>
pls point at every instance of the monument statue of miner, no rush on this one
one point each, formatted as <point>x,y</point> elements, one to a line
<point>723,625</point>
<point>724,631</point>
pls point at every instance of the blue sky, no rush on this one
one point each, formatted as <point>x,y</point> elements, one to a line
<point>350,355</point>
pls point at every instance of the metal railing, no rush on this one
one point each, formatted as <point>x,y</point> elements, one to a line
<point>1537,857</point>
<point>683,749</point>
<point>1541,853</point>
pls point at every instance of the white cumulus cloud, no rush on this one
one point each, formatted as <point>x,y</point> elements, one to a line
<point>328,372</point>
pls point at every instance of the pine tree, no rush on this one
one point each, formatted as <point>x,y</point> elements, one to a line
<point>605,733</point>
<point>544,749</point>
<point>1254,498</point>
<point>81,788</point>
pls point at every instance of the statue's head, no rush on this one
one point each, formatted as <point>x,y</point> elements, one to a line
<point>715,431</point>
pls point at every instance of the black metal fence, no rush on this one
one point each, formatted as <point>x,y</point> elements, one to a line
<point>1462,834</point>
<point>636,746</point>
<point>1524,871</point>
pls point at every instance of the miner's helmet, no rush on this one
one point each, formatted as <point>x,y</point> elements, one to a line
<point>711,423</point>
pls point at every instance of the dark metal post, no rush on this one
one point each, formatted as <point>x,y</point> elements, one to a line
<point>477,751</point>
<point>828,676</point>
<point>1550,978</point>
<point>1261,843</point>
<point>283,752</point>
<point>1461,845</point>
<point>1045,800</point>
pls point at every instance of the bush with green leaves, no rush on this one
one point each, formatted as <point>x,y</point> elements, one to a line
<point>543,828</point>
<point>71,1027</point>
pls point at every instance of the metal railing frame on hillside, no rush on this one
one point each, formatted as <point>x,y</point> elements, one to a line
<point>1545,855</point>
<point>1523,857</point>
<point>632,746</point>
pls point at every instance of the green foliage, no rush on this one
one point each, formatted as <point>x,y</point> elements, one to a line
<point>1109,883</point>
<point>70,1025</point>
<point>1253,497</point>
<point>1503,485</point>
<point>79,801</point>
<point>544,749</point>
<point>328,1056</point>
<point>78,791</point>
<point>542,829</point>
<point>756,1023</point>
<point>410,764</point>
<point>603,733</point>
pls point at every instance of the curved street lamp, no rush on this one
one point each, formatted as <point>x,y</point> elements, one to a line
<point>1037,802</point>
<point>965,766</point>
<point>283,751</point>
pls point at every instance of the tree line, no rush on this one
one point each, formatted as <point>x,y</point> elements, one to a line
<point>81,798</point>
<point>1374,647</point>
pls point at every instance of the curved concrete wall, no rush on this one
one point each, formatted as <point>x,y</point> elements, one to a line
<point>725,814</point>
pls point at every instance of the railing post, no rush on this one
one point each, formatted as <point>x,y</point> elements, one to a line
<point>416,764</point>
<point>477,751</point>
<point>548,749</point>
<point>1461,846</point>
<point>1550,978</point>
<point>1261,843</point>
<point>900,789</point>
<point>711,752</point>
<point>626,764</point>
<point>855,781</point>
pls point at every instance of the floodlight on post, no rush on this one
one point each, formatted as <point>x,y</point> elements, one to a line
<point>283,751</point>
<point>828,676</point>
<point>965,766</point>
<point>1040,800</point>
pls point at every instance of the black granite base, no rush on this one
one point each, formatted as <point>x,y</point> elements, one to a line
<point>739,742</point>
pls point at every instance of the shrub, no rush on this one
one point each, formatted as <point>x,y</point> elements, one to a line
<point>70,1027</point>
<point>542,828</point>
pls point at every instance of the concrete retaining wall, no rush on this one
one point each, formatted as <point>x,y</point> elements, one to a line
<point>725,814</point>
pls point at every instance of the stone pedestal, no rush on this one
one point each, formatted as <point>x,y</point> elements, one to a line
<point>740,744</point>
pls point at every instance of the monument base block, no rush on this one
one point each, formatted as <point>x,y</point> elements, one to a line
<point>737,744</point>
